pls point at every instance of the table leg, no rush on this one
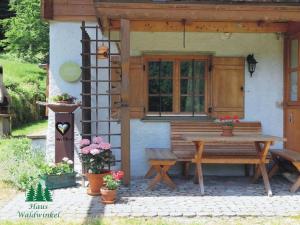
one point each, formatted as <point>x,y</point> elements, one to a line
<point>265,179</point>
<point>198,156</point>
<point>263,152</point>
<point>200,178</point>
<point>257,173</point>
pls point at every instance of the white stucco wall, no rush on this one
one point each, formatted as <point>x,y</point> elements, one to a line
<point>263,91</point>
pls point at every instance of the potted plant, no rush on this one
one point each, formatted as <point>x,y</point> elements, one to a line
<point>59,175</point>
<point>95,157</point>
<point>111,183</point>
<point>64,99</point>
<point>227,123</point>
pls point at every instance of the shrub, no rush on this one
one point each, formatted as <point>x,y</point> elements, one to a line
<point>20,164</point>
<point>26,84</point>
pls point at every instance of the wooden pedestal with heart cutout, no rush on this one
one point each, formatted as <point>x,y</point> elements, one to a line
<point>64,136</point>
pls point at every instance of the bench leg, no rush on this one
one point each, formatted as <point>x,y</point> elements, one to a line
<point>161,175</point>
<point>296,185</point>
<point>265,179</point>
<point>166,178</point>
<point>247,170</point>
<point>150,172</point>
<point>186,169</point>
<point>273,170</point>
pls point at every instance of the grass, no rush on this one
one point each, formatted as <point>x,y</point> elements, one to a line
<point>7,192</point>
<point>171,221</point>
<point>18,71</point>
<point>30,128</point>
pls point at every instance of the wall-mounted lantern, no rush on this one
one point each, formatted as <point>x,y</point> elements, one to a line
<point>102,52</point>
<point>251,64</point>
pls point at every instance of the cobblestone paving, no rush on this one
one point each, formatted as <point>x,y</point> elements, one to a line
<point>225,196</point>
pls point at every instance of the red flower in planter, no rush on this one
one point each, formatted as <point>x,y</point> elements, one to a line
<point>118,175</point>
<point>227,117</point>
<point>236,119</point>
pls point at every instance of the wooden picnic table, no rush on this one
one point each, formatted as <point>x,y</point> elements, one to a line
<point>262,145</point>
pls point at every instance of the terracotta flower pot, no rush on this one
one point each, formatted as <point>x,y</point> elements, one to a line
<point>95,183</point>
<point>108,196</point>
<point>227,131</point>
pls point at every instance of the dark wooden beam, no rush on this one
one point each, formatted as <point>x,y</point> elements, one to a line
<point>125,110</point>
<point>293,28</point>
<point>86,85</point>
<point>47,9</point>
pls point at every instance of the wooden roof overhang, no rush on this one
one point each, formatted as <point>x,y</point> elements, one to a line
<point>198,17</point>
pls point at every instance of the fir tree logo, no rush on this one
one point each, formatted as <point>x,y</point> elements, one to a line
<point>39,194</point>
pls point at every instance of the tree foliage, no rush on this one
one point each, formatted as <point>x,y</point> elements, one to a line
<point>47,195</point>
<point>26,35</point>
<point>30,195</point>
<point>39,194</point>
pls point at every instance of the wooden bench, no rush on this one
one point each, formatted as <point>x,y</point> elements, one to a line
<point>185,151</point>
<point>291,156</point>
<point>160,160</point>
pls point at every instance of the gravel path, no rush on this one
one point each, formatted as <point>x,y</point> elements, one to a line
<point>225,196</point>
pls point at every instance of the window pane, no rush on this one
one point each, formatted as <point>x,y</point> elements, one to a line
<point>153,104</point>
<point>186,87</point>
<point>166,86</point>
<point>294,53</point>
<point>294,86</point>
<point>166,69</point>
<point>153,86</point>
<point>153,69</point>
<point>186,69</point>
<point>166,103</point>
<point>186,104</point>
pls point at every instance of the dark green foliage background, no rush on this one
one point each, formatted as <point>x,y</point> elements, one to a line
<point>26,35</point>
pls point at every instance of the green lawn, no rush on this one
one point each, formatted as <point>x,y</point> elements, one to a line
<point>172,221</point>
<point>26,84</point>
<point>30,128</point>
<point>18,71</point>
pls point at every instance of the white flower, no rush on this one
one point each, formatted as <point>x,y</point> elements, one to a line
<point>51,164</point>
<point>65,159</point>
<point>92,160</point>
<point>70,162</point>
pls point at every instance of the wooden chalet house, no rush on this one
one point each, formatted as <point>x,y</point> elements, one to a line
<point>148,63</point>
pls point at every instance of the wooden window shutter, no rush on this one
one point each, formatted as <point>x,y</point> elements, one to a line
<point>137,88</point>
<point>228,78</point>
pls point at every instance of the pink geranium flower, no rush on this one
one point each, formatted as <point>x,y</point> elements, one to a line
<point>84,142</point>
<point>105,146</point>
<point>86,150</point>
<point>97,140</point>
<point>94,146</point>
<point>95,151</point>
